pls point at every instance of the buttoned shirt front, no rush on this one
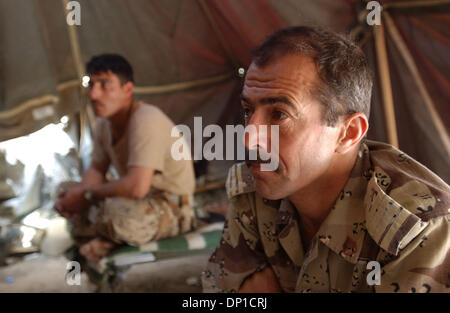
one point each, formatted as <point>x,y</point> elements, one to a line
<point>388,231</point>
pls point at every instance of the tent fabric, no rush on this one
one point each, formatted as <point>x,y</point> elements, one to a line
<point>177,41</point>
<point>34,64</point>
<point>427,36</point>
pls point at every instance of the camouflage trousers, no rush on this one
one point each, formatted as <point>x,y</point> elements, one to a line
<point>136,222</point>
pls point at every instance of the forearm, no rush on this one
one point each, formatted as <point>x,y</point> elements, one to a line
<point>261,282</point>
<point>117,188</point>
<point>71,201</point>
<point>135,185</point>
<point>92,176</point>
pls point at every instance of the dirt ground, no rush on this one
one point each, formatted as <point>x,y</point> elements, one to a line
<point>38,273</point>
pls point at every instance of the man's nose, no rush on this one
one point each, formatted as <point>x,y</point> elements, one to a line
<point>94,92</point>
<point>257,134</point>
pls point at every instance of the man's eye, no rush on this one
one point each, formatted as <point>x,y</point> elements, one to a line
<point>278,115</point>
<point>247,113</point>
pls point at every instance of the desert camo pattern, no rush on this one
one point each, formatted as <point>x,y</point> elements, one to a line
<point>392,210</point>
<point>136,222</point>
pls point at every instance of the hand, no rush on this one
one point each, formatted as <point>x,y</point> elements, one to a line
<point>71,202</point>
<point>261,282</point>
<point>96,249</point>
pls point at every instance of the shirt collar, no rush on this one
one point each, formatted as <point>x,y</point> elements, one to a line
<point>390,225</point>
<point>364,206</point>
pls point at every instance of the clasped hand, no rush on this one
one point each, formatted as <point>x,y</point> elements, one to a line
<point>71,202</point>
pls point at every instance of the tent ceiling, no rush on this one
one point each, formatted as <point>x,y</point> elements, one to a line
<point>186,52</point>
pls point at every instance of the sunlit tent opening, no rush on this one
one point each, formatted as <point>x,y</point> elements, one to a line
<point>34,169</point>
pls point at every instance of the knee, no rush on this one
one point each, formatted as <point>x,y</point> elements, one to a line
<point>121,206</point>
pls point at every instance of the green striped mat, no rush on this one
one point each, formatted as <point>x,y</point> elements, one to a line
<point>199,241</point>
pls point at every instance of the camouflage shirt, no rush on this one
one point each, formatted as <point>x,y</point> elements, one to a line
<point>392,210</point>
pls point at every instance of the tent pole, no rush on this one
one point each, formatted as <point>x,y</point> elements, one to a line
<point>74,45</point>
<point>385,82</point>
<point>409,61</point>
<point>78,60</point>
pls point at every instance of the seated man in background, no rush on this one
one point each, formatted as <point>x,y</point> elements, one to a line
<point>152,199</point>
<point>340,214</point>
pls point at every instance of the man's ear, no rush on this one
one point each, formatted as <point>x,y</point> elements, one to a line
<point>353,130</point>
<point>129,88</point>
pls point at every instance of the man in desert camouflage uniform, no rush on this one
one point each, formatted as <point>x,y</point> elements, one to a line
<point>336,202</point>
<point>152,198</point>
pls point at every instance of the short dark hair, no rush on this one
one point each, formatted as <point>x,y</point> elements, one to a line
<point>111,62</point>
<point>345,85</point>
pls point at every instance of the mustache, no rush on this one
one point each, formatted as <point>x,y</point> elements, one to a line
<point>267,161</point>
<point>257,156</point>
